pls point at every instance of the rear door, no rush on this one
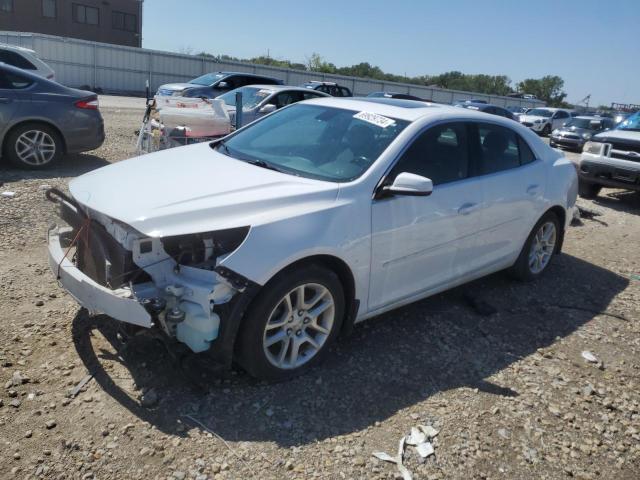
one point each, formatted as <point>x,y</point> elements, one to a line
<point>513,182</point>
<point>11,86</point>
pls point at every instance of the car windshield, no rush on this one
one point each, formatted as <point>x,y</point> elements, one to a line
<point>315,141</point>
<point>582,123</point>
<point>632,123</point>
<point>207,79</point>
<point>540,112</point>
<point>251,97</point>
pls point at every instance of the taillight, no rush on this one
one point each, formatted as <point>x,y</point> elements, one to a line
<point>88,104</point>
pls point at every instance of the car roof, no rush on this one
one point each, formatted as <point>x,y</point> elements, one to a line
<point>246,74</point>
<point>479,104</point>
<point>279,88</point>
<point>590,117</point>
<point>15,48</point>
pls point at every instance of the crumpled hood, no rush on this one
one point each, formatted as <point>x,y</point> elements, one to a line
<point>178,86</point>
<point>532,118</point>
<point>196,189</point>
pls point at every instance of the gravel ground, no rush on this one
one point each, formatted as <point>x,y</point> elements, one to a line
<point>509,391</point>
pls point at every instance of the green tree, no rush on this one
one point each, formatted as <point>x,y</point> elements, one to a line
<point>548,88</point>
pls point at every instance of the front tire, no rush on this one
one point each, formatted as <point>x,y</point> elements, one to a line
<point>546,131</point>
<point>33,146</point>
<point>588,190</point>
<point>538,250</point>
<point>292,323</point>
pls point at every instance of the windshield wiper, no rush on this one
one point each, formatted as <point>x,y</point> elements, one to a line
<point>263,164</point>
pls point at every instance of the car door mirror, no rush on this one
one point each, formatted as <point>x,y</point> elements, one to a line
<point>409,184</point>
<point>268,108</point>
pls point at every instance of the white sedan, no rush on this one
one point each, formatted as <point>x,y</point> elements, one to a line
<point>265,246</point>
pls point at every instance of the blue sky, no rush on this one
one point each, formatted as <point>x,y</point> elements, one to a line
<point>593,45</point>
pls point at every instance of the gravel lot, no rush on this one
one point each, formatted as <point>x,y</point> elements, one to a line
<point>510,392</point>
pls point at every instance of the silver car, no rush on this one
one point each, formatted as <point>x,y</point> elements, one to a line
<point>578,131</point>
<point>260,100</point>
<point>41,120</point>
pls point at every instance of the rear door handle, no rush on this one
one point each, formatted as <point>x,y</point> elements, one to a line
<point>5,100</point>
<point>533,189</point>
<point>467,208</point>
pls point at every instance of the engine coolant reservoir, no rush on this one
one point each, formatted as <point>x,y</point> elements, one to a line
<point>198,329</point>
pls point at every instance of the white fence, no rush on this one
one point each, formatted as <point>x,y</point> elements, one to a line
<point>119,69</point>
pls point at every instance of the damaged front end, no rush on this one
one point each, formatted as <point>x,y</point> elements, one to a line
<point>172,283</point>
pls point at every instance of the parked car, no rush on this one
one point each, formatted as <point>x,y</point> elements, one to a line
<point>266,245</point>
<point>398,96</point>
<point>41,120</point>
<point>545,120</point>
<point>577,131</point>
<point>260,100</point>
<point>488,108</point>
<point>211,85</point>
<point>332,88</point>
<point>612,159</point>
<point>525,96</point>
<point>26,59</point>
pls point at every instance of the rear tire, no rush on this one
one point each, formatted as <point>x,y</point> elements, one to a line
<point>588,190</point>
<point>538,250</point>
<point>283,334</point>
<point>33,146</point>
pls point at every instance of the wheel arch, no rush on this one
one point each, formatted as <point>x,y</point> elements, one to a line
<point>561,213</point>
<point>34,121</point>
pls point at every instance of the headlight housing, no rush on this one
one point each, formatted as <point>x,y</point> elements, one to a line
<point>555,132</point>
<point>586,136</point>
<point>594,148</point>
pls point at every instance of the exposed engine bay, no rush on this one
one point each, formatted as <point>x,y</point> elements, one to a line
<point>176,279</point>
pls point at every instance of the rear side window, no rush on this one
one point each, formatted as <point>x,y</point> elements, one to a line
<point>15,59</point>
<point>440,154</point>
<point>13,81</point>
<point>526,155</point>
<point>345,92</point>
<point>264,80</point>
<point>499,147</point>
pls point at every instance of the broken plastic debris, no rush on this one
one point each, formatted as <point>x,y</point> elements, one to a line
<point>385,457</point>
<point>416,437</point>
<point>8,194</point>
<point>589,357</point>
<point>425,449</point>
<point>429,431</point>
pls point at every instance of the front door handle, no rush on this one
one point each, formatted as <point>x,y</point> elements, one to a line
<point>467,208</point>
<point>533,189</point>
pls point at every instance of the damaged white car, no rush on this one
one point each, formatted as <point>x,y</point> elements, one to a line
<point>265,246</point>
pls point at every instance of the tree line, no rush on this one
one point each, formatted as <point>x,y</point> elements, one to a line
<point>548,88</point>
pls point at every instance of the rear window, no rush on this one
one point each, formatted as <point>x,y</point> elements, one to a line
<point>13,81</point>
<point>15,59</point>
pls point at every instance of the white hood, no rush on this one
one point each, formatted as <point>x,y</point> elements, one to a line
<point>196,189</point>
<point>619,135</point>
<point>532,118</point>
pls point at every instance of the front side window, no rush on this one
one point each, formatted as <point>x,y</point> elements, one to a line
<point>440,154</point>
<point>85,14</point>
<point>286,98</point>
<point>207,80</point>
<point>251,97</point>
<point>561,114</point>
<point>15,59</point>
<point>13,81</point>
<point>314,141</point>
<point>540,112</point>
<point>6,5</point>
<point>49,8</point>
<point>124,21</point>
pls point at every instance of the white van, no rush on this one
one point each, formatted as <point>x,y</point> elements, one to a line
<point>26,59</point>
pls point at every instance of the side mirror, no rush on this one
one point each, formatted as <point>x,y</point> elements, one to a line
<point>222,85</point>
<point>268,108</point>
<point>409,184</point>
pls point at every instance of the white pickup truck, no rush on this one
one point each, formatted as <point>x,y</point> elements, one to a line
<point>611,159</point>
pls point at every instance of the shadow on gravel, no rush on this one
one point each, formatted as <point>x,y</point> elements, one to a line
<point>388,364</point>
<point>620,200</point>
<point>70,166</point>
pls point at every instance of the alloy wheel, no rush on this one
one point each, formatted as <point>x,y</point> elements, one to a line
<point>299,326</point>
<point>542,247</point>
<point>35,147</point>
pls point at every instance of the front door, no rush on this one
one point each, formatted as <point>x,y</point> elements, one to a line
<point>421,243</point>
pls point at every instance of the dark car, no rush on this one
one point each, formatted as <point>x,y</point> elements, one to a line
<point>331,88</point>
<point>578,131</point>
<point>399,96</point>
<point>41,120</point>
<point>211,85</point>
<point>488,108</point>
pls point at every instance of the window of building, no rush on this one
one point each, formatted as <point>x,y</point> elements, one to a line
<point>124,21</point>
<point>86,14</point>
<point>49,8</point>
<point>6,5</point>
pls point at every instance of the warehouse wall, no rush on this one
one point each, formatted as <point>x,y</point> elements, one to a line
<point>119,69</point>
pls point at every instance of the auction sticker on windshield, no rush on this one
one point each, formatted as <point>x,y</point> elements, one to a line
<point>375,119</point>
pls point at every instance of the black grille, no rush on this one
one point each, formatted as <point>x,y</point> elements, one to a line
<point>527,124</point>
